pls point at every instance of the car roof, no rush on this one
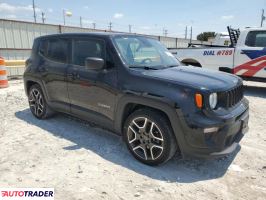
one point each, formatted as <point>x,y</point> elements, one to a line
<point>93,34</point>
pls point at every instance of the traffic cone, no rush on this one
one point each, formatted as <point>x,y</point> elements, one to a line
<point>3,74</point>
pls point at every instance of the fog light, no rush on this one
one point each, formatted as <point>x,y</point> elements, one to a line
<point>210,130</point>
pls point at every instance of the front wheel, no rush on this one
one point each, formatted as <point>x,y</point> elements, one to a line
<point>149,137</point>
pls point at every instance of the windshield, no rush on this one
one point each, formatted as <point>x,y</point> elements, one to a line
<point>142,52</point>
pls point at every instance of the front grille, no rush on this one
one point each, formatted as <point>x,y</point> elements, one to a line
<point>230,98</point>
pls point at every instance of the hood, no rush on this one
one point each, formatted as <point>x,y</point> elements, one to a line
<point>196,77</point>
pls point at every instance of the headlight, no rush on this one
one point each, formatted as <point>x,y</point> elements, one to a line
<point>213,100</point>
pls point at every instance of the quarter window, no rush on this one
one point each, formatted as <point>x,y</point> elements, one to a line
<point>83,49</point>
<point>256,39</point>
<point>55,49</point>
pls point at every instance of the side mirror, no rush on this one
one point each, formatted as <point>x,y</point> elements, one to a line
<point>94,63</point>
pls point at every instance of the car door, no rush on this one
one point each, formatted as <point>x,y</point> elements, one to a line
<point>54,54</point>
<point>250,58</point>
<point>92,93</point>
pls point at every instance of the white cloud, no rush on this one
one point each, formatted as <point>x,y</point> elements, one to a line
<point>11,16</point>
<point>50,10</point>
<point>8,8</point>
<point>86,7</point>
<point>227,17</point>
<point>118,15</point>
<point>145,27</point>
<point>86,21</point>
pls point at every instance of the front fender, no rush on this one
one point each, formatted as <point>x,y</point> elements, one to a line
<point>171,109</point>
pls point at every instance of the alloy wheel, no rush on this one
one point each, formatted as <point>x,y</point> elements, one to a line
<point>36,102</point>
<point>145,138</point>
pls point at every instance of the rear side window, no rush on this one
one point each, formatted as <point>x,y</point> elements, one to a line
<point>256,39</point>
<point>83,48</point>
<point>54,49</point>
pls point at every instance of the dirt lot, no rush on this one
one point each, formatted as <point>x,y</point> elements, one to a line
<point>85,162</point>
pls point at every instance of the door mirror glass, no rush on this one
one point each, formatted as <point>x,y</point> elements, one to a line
<point>94,63</point>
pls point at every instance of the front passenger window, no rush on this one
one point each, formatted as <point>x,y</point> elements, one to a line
<point>87,48</point>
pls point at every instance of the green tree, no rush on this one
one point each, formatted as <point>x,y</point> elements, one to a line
<point>205,36</point>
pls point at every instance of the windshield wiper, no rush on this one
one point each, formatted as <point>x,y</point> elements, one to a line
<point>143,67</point>
<point>170,66</point>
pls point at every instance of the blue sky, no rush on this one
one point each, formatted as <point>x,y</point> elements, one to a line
<point>149,17</point>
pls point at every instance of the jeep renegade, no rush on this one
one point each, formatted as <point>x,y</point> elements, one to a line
<point>134,86</point>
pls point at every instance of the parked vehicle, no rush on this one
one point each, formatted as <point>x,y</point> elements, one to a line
<point>245,57</point>
<point>135,87</point>
<point>221,39</point>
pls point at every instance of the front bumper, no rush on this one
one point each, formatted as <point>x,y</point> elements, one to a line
<point>219,143</point>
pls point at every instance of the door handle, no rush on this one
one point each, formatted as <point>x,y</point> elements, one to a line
<point>43,69</point>
<point>73,75</point>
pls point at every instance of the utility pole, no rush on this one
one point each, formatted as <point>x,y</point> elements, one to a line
<point>186,33</point>
<point>129,28</point>
<point>190,34</point>
<point>165,32</point>
<point>110,26</point>
<point>80,22</point>
<point>64,16</point>
<point>94,25</point>
<point>43,17</point>
<point>262,18</point>
<point>34,11</point>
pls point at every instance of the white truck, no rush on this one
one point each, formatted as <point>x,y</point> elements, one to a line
<point>245,57</point>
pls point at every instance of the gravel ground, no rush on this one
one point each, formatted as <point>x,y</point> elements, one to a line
<point>82,162</point>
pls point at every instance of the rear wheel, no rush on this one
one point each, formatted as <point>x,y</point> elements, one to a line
<point>149,137</point>
<point>38,106</point>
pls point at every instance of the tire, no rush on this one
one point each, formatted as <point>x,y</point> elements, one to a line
<point>38,105</point>
<point>149,137</point>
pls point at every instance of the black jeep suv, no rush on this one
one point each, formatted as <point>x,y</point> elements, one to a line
<point>135,87</point>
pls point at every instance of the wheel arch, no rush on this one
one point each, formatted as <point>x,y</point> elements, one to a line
<point>28,82</point>
<point>191,61</point>
<point>130,103</point>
